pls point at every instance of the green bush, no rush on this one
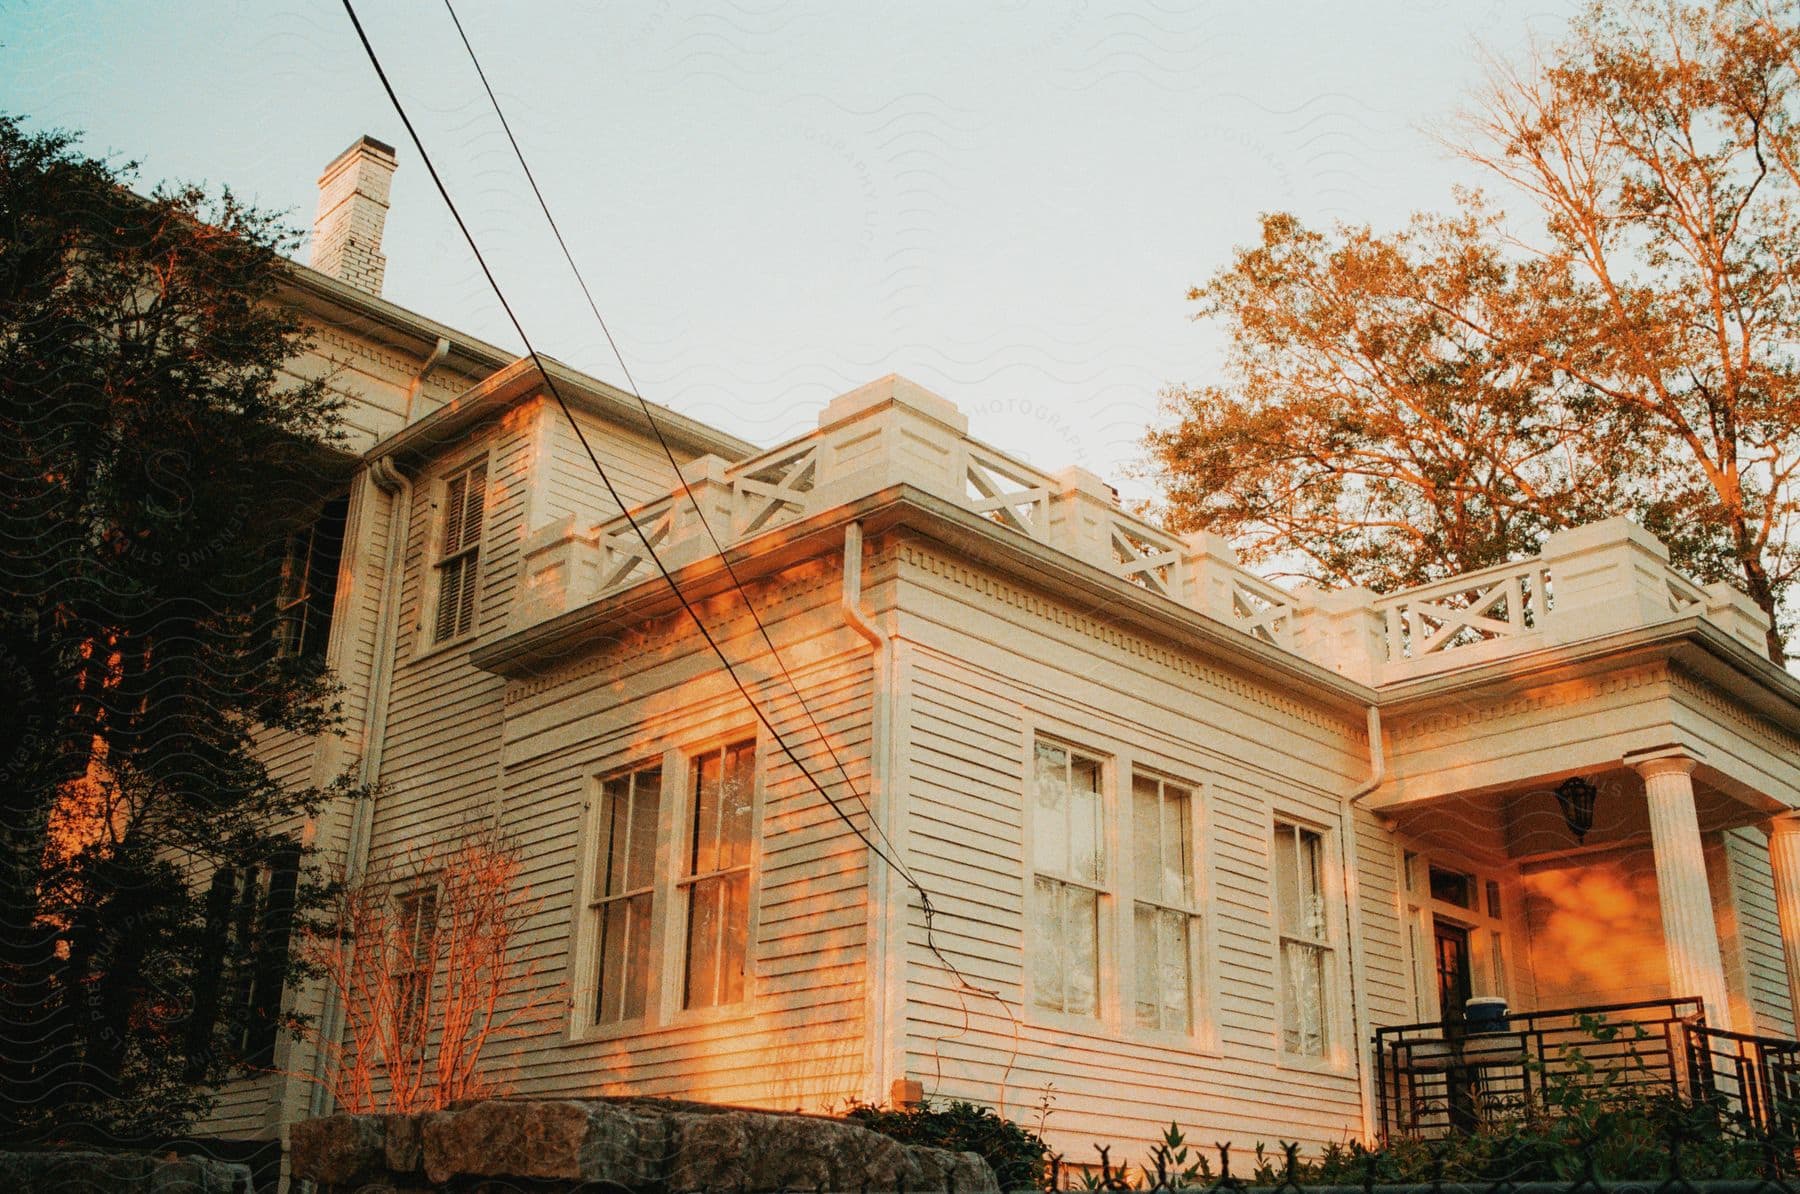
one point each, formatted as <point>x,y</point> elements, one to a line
<point>1016,1155</point>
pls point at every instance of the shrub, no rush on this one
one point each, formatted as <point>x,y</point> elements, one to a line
<point>1016,1155</point>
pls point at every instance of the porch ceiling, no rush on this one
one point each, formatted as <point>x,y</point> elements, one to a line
<point>1518,736</point>
<point>1524,823</point>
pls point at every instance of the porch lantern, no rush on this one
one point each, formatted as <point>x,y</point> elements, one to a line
<point>1576,796</point>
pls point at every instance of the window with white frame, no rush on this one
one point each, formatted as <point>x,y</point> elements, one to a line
<point>630,811</point>
<point>459,554</point>
<point>715,884</point>
<point>1069,877</point>
<point>416,927</point>
<point>1166,924</point>
<point>1306,949</point>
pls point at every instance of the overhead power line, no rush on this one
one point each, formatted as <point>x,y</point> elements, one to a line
<point>927,909</point>
<point>655,427</point>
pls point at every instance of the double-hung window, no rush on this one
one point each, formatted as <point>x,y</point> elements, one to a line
<point>715,884</point>
<point>1069,876</point>
<point>415,962</point>
<point>459,555</point>
<point>1166,922</point>
<point>630,810</point>
<point>1306,950</point>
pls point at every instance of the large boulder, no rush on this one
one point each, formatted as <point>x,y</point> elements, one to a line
<point>338,1150</point>
<point>635,1143</point>
<point>544,1139</point>
<point>745,1150</point>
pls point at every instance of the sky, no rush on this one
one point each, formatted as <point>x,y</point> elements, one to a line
<point>775,201</point>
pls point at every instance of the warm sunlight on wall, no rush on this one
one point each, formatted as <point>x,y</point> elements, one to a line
<point>1596,931</point>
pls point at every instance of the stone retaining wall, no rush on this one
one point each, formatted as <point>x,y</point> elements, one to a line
<point>52,1171</point>
<point>639,1144</point>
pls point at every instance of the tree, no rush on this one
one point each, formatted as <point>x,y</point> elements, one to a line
<point>423,958</point>
<point>155,452</point>
<point>1402,407</point>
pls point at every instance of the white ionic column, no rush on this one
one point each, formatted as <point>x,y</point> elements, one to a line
<point>1690,935</point>
<point>1784,861</point>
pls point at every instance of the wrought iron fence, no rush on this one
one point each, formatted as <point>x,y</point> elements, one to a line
<point>1438,1077</point>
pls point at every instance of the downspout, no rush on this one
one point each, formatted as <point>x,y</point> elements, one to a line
<point>1365,1086</point>
<point>390,480</point>
<point>880,961</point>
<point>413,387</point>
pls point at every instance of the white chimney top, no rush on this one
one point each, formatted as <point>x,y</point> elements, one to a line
<point>353,205</point>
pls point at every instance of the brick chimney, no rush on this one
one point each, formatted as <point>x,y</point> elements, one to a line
<point>353,205</point>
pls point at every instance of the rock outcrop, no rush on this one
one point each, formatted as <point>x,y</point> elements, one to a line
<point>632,1143</point>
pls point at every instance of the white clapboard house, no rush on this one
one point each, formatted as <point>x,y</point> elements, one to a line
<point>1197,848</point>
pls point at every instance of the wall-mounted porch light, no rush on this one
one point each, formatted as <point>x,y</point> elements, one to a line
<point>1576,796</point>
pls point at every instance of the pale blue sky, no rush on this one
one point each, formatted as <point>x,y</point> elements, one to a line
<point>777,200</point>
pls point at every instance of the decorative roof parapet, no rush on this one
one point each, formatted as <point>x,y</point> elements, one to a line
<point>1587,582</point>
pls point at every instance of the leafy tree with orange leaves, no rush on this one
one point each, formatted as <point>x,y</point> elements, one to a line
<point>1402,407</point>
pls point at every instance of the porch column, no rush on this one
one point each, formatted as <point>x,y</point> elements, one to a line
<point>1689,934</point>
<point>1784,861</point>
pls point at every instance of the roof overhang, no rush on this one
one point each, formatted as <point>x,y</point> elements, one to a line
<point>510,379</point>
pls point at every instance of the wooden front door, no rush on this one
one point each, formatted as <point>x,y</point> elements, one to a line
<point>1452,942</point>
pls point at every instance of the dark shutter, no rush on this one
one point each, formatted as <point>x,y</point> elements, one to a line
<point>209,973</point>
<point>263,1018</point>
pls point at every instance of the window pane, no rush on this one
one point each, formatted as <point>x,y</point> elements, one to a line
<point>1044,945</point>
<point>615,833</point>
<point>1287,882</point>
<point>1087,850</point>
<point>735,800</point>
<point>735,936</point>
<point>1050,842</point>
<point>1173,969</point>
<point>703,852</point>
<point>703,943</point>
<point>1149,1013</point>
<point>1303,971</point>
<point>646,801</point>
<point>1312,880</point>
<point>1146,835</point>
<point>1178,851</point>
<point>624,959</point>
<point>1081,933</point>
<point>1452,888</point>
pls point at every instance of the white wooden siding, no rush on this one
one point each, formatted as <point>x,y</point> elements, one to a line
<point>985,666</point>
<point>798,1042</point>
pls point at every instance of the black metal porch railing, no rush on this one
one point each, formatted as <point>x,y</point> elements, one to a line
<point>1753,1076</point>
<point>1436,1078</point>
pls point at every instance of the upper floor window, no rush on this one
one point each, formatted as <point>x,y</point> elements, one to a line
<point>630,811</point>
<point>459,552</point>
<point>1306,948</point>
<point>715,883</point>
<point>1166,917</point>
<point>308,582</point>
<point>1068,880</point>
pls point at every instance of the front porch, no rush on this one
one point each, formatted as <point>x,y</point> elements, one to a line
<point>1439,1077</point>
<point>1639,926</point>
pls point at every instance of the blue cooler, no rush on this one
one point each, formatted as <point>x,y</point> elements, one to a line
<point>1485,1014</point>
